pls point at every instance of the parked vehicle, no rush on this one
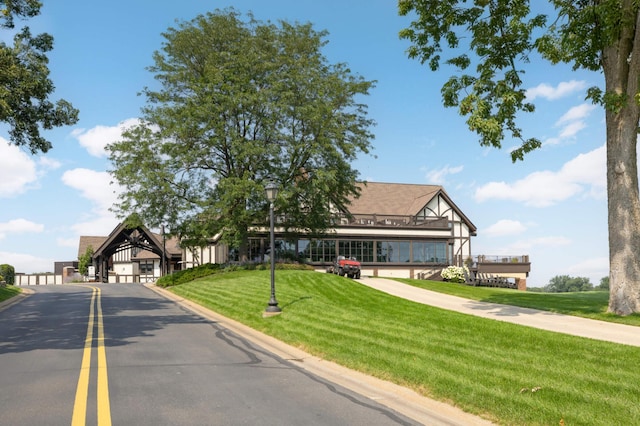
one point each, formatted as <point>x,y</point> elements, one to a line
<point>345,266</point>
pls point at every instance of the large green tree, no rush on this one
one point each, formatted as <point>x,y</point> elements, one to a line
<point>490,43</point>
<point>25,86</point>
<point>240,102</point>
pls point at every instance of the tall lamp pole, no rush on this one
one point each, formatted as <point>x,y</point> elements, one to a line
<point>164,253</point>
<point>271,190</point>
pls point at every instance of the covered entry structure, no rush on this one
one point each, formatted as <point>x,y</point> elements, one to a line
<point>134,254</point>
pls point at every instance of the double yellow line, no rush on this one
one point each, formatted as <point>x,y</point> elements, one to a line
<point>82,391</point>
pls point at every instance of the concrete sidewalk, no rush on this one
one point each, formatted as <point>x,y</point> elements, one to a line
<point>583,327</point>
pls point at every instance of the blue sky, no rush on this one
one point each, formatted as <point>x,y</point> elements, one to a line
<point>551,207</point>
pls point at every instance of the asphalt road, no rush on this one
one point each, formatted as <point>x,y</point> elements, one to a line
<point>124,355</point>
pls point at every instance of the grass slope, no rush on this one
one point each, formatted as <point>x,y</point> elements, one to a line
<point>8,292</point>
<point>485,367</point>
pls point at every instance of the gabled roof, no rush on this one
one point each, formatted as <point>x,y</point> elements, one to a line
<point>392,198</point>
<point>400,199</point>
<point>121,235</point>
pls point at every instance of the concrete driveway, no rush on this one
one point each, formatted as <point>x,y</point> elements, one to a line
<point>583,327</point>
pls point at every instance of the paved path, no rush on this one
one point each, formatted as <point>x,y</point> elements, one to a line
<point>583,327</point>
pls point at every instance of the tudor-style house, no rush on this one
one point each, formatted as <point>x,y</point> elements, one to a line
<point>395,230</point>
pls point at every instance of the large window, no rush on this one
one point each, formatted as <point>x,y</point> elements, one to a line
<point>393,251</point>
<point>304,250</point>
<point>429,252</point>
<point>322,250</point>
<point>367,251</point>
<point>361,250</point>
<point>285,250</point>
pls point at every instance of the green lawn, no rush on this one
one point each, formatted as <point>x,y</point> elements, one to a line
<point>8,292</point>
<point>485,367</point>
<point>588,304</point>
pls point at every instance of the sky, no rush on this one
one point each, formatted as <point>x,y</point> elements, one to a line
<point>551,206</point>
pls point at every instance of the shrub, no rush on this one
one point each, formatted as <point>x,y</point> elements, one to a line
<point>8,272</point>
<point>454,274</point>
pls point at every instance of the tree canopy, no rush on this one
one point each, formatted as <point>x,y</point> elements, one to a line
<point>239,103</point>
<point>8,273</point>
<point>85,260</point>
<point>490,43</point>
<point>25,86</point>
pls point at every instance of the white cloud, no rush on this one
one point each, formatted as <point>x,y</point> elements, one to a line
<point>67,242</point>
<point>571,122</point>
<point>26,263</point>
<point>97,138</point>
<point>96,225</point>
<point>576,113</point>
<point>505,227</point>
<point>47,163</point>
<point>551,141</point>
<point>552,241</point>
<point>584,174</point>
<point>97,188</point>
<point>17,170</point>
<point>548,242</point>
<point>438,177</point>
<point>594,269</point>
<point>571,129</point>
<point>574,120</point>
<point>93,185</point>
<point>546,91</point>
<point>19,226</point>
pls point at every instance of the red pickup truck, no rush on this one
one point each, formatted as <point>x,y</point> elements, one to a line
<point>345,266</point>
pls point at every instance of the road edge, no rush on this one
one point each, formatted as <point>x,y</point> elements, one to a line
<point>24,293</point>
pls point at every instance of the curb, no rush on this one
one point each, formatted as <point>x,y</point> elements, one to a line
<point>403,400</point>
<point>24,293</point>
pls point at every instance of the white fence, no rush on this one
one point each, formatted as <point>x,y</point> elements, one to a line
<point>51,279</point>
<point>43,279</point>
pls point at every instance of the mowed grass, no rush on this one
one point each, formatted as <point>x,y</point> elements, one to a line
<point>485,367</point>
<point>587,304</point>
<point>8,292</point>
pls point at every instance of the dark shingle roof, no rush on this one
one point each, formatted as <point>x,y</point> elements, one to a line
<point>86,242</point>
<point>392,198</point>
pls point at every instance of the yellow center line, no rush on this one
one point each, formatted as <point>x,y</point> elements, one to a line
<point>104,406</point>
<point>79,417</point>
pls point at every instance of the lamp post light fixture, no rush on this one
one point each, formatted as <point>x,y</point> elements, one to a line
<point>271,190</point>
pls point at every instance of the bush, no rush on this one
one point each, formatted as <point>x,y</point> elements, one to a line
<point>8,272</point>
<point>454,274</point>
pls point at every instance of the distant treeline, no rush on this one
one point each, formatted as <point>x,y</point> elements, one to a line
<point>566,284</point>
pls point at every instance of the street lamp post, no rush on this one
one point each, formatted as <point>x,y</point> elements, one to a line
<point>271,190</point>
<point>164,253</point>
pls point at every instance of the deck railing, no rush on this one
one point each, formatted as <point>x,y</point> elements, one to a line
<point>393,221</point>
<point>501,258</point>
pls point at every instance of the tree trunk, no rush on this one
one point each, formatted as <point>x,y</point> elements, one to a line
<point>624,215</point>
<point>243,249</point>
<point>621,66</point>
